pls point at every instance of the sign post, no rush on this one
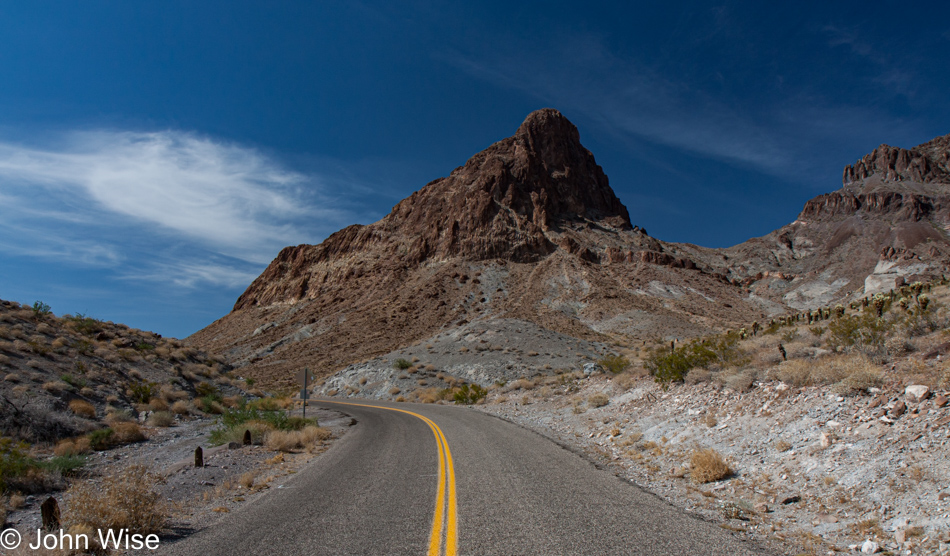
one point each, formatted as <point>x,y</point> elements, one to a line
<point>303,378</point>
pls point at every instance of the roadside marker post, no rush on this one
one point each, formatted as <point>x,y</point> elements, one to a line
<point>303,378</point>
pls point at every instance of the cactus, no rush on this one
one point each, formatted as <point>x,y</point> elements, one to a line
<point>923,301</point>
<point>879,301</point>
<point>839,310</point>
<point>904,303</point>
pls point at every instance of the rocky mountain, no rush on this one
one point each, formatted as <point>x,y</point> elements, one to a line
<point>529,230</point>
<point>887,225</point>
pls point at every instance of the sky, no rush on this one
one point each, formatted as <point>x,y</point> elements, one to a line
<point>156,156</point>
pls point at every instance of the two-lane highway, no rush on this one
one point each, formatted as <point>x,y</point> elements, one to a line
<point>429,479</point>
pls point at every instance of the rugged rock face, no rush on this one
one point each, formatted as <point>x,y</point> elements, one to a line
<point>529,229</point>
<point>886,226</point>
<point>925,163</point>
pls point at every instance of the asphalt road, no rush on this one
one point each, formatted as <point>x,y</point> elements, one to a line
<point>380,489</point>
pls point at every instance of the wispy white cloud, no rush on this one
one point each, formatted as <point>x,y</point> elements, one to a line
<point>113,197</point>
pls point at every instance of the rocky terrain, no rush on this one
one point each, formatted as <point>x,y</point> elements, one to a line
<point>829,445</point>
<point>530,229</point>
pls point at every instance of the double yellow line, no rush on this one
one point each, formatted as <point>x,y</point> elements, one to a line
<point>445,519</point>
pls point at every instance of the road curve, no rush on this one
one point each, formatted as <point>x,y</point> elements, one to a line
<point>376,491</point>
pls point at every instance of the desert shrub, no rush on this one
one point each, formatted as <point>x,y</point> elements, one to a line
<point>65,465</point>
<point>740,380</point>
<point>863,332</point>
<point>161,419</point>
<point>614,363</point>
<point>157,404</point>
<point>668,366</point>
<point>83,408</point>
<point>15,461</point>
<point>286,441</point>
<point>143,392</point>
<point>101,439</point>
<point>181,408</point>
<point>123,501</point>
<point>41,309</point>
<point>204,389</point>
<point>598,400</point>
<point>83,324</point>
<point>850,373</point>
<point>127,433</point>
<point>114,416</point>
<point>72,446</point>
<point>469,394</point>
<point>707,465</point>
<point>401,364</point>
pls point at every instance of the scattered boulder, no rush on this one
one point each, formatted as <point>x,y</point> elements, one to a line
<point>898,410</point>
<point>870,547</point>
<point>940,400</point>
<point>917,393</point>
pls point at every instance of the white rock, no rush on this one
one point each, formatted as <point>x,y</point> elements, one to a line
<point>917,392</point>
<point>870,547</point>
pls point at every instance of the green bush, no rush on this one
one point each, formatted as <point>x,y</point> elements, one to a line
<point>14,460</point>
<point>673,366</point>
<point>41,309</point>
<point>74,382</point>
<point>206,389</point>
<point>864,331</point>
<point>101,439</point>
<point>237,418</point>
<point>65,465</point>
<point>614,363</point>
<point>402,364</point>
<point>469,394</point>
<point>143,392</point>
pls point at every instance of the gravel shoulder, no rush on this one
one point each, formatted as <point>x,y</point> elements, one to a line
<point>813,470</point>
<point>198,497</point>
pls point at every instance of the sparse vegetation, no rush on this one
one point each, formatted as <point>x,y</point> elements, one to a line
<point>708,465</point>
<point>401,364</point>
<point>469,394</point>
<point>614,363</point>
<point>127,500</point>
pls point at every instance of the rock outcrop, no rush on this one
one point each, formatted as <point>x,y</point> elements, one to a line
<point>530,229</point>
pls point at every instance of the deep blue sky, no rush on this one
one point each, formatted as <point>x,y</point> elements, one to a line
<point>154,157</point>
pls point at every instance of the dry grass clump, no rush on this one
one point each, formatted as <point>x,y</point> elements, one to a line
<point>83,408</point>
<point>782,446</point>
<point>853,372</point>
<point>598,400</point>
<point>161,419</point>
<point>123,501</point>
<point>127,433</point>
<point>287,441</point>
<point>72,446</point>
<point>181,408</point>
<point>54,387</point>
<point>708,465</point>
<point>12,377</point>
<point>157,404</point>
<point>247,480</point>
<point>114,416</point>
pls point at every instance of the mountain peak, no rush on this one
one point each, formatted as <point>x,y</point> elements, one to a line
<point>928,163</point>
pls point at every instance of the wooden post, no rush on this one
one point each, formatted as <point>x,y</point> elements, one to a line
<point>199,457</point>
<point>50,512</point>
<point>247,437</point>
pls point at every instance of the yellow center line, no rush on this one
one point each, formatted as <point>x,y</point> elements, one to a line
<point>440,521</point>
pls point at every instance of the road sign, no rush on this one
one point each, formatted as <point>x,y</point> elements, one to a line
<point>304,377</point>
